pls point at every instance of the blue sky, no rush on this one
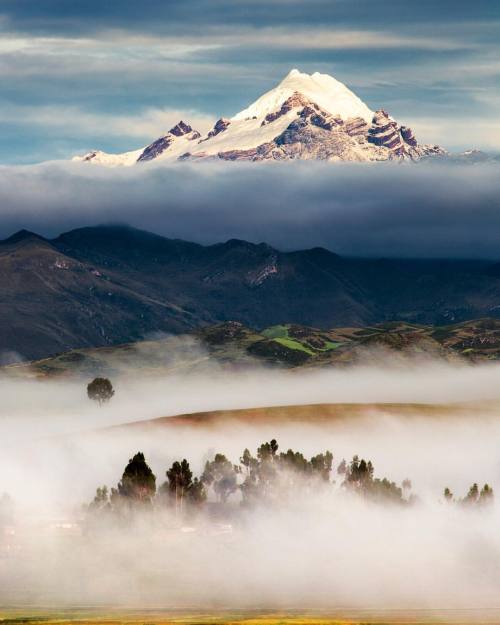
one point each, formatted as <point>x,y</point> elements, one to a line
<point>116,74</point>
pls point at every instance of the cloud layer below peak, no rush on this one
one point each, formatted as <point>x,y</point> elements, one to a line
<point>423,210</point>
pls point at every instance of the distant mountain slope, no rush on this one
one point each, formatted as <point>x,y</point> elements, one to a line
<point>113,284</point>
<point>304,117</point>
<point>52,301</point>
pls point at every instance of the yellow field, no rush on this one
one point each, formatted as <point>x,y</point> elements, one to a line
<point>319,414</point>
<point>247,617</point>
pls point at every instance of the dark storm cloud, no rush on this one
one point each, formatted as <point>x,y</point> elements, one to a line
<point>382,210</point>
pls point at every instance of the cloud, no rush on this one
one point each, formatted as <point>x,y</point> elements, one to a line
<point>386,209</point>
<point>182,56</point>
<point>147,125</point>
<point>58,16</point>
<point>486,131</point>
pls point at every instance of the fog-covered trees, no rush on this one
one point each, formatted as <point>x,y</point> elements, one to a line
<point>359,478</point>
<point>100,390</point>
<point>474,496</point>
<point>222,476</point>
<point>269,478</point>
<point>181,489</point>
<point>180,478</point>
<point>138,483</point>
<point>101,502</point>
<point>196,495</point>
<point>486,495</point>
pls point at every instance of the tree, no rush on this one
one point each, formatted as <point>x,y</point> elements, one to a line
<point>293,461</point>
<point>267,451</point>
<point>100,390</point>
<point>196,494</point>
<point>448,495</point>
<point>222,476</point>
<point>342,468</point>
<point>359,473</point>
<point>248,461</point>
<point>180,480</point>
<point>101,500</point>
<point>472,496</point>
<point>322,465</point>
<point>138,483</point>
<point>486,495</point>
<point>359,478</point>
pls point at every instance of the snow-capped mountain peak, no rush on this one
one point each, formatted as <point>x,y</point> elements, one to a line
<point>330,94</point>
<point>306,116</point>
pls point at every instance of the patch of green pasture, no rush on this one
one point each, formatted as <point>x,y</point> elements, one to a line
<point>293,344</point>
<point>276,332</point>
<point>329,345</point>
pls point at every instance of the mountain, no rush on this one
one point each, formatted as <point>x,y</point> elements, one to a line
<point>171,146</point>
<point>113,284</point>
<point>304,117</point>
<point>232,344</point>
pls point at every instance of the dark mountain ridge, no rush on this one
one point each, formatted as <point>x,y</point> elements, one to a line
<point>111,284</point>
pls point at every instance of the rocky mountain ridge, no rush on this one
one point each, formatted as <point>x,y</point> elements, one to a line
<point>105,285</point>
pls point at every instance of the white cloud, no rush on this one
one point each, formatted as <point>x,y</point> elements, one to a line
<point>146,125</point>
<point>464,132</point>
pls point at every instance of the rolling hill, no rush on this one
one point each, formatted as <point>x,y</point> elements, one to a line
<point>232,345</point>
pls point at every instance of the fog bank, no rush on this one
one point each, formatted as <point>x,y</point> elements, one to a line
<point>333,550</point>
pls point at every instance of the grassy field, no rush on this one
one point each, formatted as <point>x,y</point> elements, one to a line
<point>247,617</point>
<point>286,346</point>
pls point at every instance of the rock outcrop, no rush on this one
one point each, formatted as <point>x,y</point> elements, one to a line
<point>220,125</point>
<point>162,144</point>
<point>316,134</point>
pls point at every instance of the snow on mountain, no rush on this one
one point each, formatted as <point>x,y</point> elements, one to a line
<point>313,117</point>
<point>327,92</point>
<point>169,146</point>
<point>98,157</point>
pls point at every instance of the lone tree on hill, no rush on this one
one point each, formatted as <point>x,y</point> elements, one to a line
<point>100,390</point>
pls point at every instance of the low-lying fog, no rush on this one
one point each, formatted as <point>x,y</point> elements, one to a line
<point>332,550</point>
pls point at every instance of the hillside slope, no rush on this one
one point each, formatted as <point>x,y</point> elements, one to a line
<point>113,284</point>
<point>231,345</point>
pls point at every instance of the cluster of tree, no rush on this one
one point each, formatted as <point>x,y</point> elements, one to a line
<point>136,488</point>
<point>268,478</point>
<point>359,477</point>
<point>474,497</point>
<point>271,476</point>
